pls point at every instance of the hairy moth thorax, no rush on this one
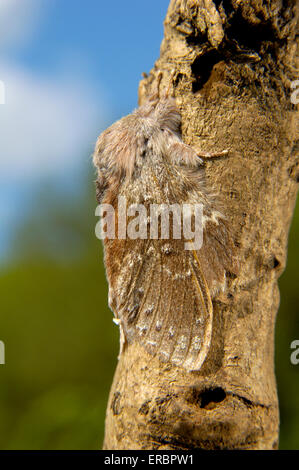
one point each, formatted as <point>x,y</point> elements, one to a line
<point>160,292</point>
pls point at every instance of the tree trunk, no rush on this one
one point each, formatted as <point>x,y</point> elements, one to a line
<point>233,65</point>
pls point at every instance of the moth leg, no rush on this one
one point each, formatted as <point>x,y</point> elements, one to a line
<point>181,152</point>
<point>208,155</point>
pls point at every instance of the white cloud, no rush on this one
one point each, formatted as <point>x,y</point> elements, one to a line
<point>46,126</point>
<point>19,20</point>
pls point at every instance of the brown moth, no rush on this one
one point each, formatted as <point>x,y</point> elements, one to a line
<point>161,294</point>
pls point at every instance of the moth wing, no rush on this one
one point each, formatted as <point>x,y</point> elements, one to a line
<point>166,305</point>
<point>216,256</point>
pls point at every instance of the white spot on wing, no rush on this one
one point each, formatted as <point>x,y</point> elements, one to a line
<point>165,354</point>
<point>182,342</point>
<point>196,343</point>
<point>149,310</point>
<point>166,249</point>
<point>171,332</point>
<point>142,329</point>
<point>167,271</point>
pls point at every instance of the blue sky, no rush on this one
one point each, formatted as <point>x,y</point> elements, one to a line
<point>111,41</point>
<point>70,68</point>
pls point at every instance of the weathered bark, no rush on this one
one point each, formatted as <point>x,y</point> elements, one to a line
<point>233,63</point>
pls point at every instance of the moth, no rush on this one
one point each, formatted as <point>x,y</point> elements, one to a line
<point>161,294</point>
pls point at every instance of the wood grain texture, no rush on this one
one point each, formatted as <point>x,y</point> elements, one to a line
<point>234,62</point>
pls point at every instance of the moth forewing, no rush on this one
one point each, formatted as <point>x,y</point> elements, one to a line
<point>160,292</point>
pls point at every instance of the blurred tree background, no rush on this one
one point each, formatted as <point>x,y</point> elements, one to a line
<point>61,344</point>
<point>287,330</point>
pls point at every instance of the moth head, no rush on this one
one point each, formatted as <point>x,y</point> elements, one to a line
<point>120,146</point>
<point>163,112</point>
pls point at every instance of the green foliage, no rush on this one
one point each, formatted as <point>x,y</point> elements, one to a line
<point>287,330</point>
<point>61,344</point>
